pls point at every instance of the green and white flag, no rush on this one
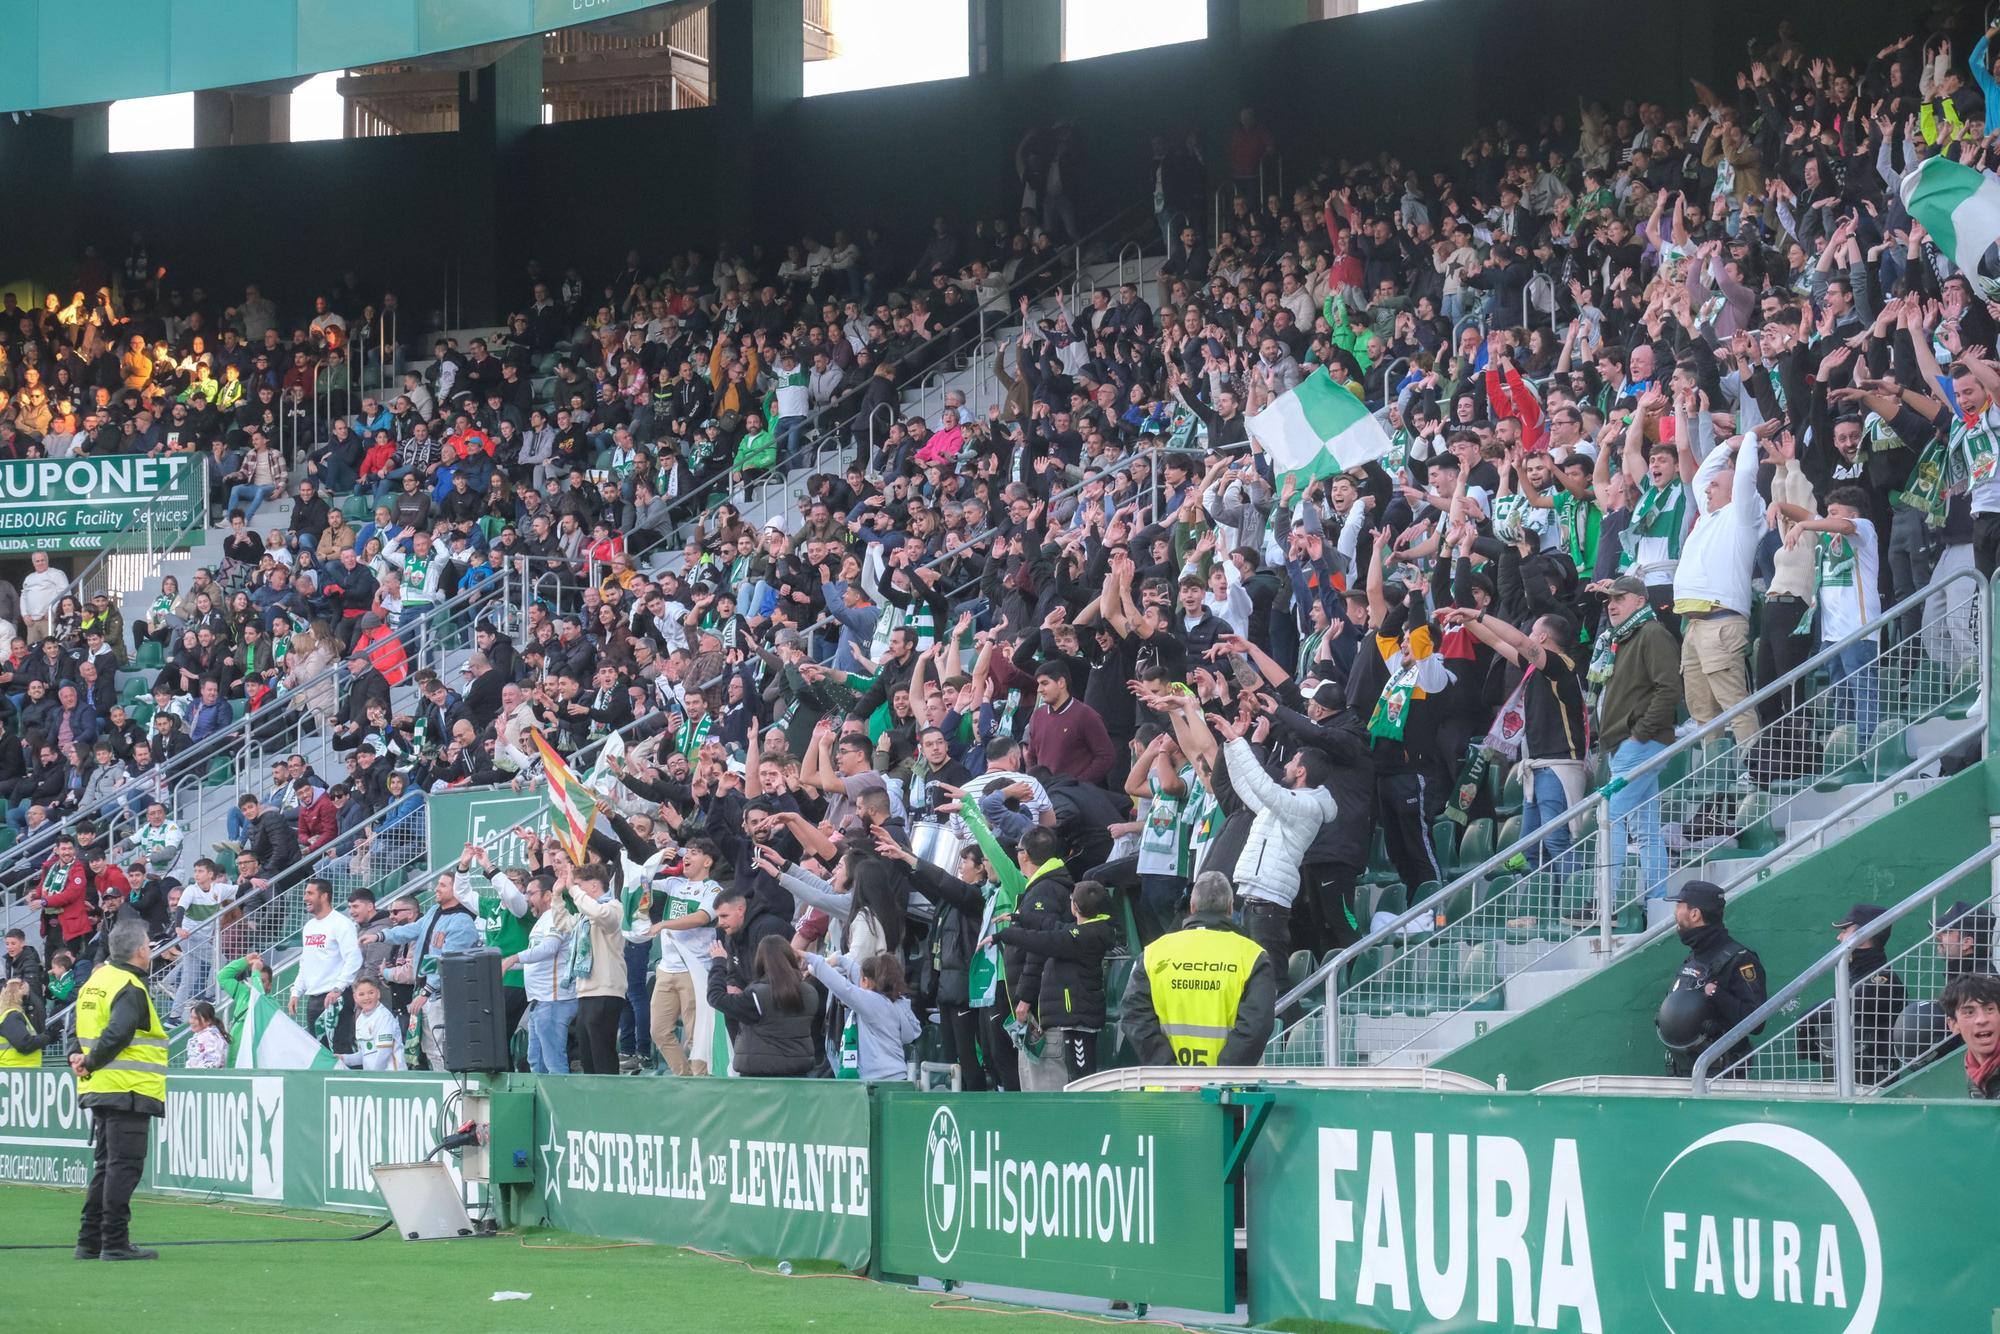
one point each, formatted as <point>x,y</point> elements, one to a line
<point>1960,206</point>
<point>1318,429</point>
<point>261,1035</point>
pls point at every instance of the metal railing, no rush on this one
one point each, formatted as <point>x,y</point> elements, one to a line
<point>931,385</point>
<point>1873,1027</point>
<point>1567,895</point>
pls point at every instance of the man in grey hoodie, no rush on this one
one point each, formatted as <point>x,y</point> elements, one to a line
<point>1288,817</point>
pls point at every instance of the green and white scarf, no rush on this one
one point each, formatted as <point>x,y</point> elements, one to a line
<point>1604,653</point>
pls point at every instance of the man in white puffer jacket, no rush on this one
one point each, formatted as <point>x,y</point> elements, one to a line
<point>1288,818</point>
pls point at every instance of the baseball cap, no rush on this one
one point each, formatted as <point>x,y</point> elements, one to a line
<point>1700,894</point>
<point>1330,693</point>
<point>1628,585</point>
<point>1964,915</point>
<point>1861,914</point>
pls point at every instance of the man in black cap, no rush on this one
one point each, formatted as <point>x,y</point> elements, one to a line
<point>1965,939</point>
<point>1879,997</point>
<point>1729,978</point>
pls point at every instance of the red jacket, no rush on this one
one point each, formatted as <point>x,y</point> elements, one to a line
<point>379,459</point>
<point>318,822</point>
<point>70,903</point>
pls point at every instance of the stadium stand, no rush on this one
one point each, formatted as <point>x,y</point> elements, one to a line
<point>836,574</point>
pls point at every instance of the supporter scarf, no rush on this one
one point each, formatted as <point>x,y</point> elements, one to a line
<point>1972,439</point>
<point>1392,709</point>
<point>1658,511</point>
<point>1926,488</point>
<point>1510,725</point>
<point>1604,653</point>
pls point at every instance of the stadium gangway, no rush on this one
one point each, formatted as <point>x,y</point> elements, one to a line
<point>250,740</point>
<point>1489,930</point>
<point>1826,1034</point>
<point>133,554</point>
<point>824,421</point>
<point>1023,284</point>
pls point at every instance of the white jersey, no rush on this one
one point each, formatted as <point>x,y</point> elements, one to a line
<point>378,1041</point>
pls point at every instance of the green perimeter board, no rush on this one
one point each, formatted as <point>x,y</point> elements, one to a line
<point>1429,1212</point>
<point>1116,1195</point>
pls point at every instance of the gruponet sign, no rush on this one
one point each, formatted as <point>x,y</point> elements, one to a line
<point>44,1130</point>
<point>73,504</point>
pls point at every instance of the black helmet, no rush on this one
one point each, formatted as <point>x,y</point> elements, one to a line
<point>1920,1028</point>
<point>1683,1019</point>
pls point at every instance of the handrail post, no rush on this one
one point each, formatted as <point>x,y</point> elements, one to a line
<point>1843,1024</point>
<point>1610,865</point>
<point>1329,1021</point>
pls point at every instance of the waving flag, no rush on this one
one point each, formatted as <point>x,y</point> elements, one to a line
<point>261,1035</point>
<point>1318,429</point>
<point>1960,206</point>
<point>572,806</point>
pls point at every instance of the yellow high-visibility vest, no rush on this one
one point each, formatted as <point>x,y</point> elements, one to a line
<point>141,1067</point>
<point>1197,978</point>
<point>18,1060</point>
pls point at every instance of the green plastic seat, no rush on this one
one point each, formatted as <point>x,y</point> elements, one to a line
<point>1298,967</point>
<point>1444,843</point>
<point>1475,846</point>
<point>236,708</point>
<point>357,508</point>
<point>133,691</point>
<point>151,657</point>
<point>1889,749</point>
<point>9,836</point>
<point>1508,803</point>
<point>1837,761</point>
<point>221,772</point>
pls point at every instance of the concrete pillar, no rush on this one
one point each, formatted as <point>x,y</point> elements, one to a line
<point>1015,38</point>
<point>39,244</point>
<point>497,105</point>
<point>223,117</point>
<point>757,58</point>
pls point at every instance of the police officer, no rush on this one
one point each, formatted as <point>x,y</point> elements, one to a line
<point>1718,985</point>
<point>1879,998</point>
<point>119,1055</point>
<point>1206,994</point>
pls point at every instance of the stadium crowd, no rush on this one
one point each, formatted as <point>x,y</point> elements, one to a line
<point>1676,396</point>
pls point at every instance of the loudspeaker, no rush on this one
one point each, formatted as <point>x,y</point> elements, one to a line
<point>475,1012</point>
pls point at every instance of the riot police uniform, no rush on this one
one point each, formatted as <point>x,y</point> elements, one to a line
<point>1879,1002</point>
<point>1725,973</point>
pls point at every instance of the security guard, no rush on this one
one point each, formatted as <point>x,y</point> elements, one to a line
<point>1727,978</point>
<point>1206,994</point>
<point>119,1054</point>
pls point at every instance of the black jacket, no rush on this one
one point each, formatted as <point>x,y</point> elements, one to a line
<point>763,1040</point>
<point>1345,839</point>
<point>21,1034</point>
<point>1738,974</point>
<point>273,840</point>
<point>1044,906</point>
<point>28,967</point>
<point>129,1011</point>
<point>1256,1009</point>
<point>1064,979</point>
<point>955,936</point>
